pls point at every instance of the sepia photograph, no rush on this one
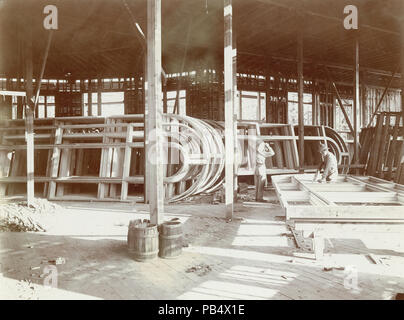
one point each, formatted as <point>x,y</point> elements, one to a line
<point>201,154</point>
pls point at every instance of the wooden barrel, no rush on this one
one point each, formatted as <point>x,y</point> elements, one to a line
<point>170,242</point>
<point>143,240</point>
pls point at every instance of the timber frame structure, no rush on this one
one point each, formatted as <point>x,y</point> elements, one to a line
<point>299,46</point>
<point>348,199</point>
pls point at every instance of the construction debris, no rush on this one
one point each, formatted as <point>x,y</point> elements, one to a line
<point>19,217</point>
<point>333,268</point>
<point>201,269</point>
<point>59,260</point>
<point>374,259</point>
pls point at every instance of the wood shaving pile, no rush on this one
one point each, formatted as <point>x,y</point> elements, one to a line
<point>21,218</point>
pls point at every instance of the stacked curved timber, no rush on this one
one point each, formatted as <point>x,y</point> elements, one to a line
<point>104,158</point>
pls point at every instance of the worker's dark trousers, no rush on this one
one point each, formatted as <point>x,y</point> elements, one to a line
<point>260,178</point>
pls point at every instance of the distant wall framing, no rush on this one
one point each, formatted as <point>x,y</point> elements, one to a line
<point>204,96</point>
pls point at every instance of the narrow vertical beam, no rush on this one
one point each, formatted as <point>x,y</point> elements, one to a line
<point>300,98</point>
<point>20,104</point>
<point>29,114</point>
<point>402,70</point>
<point>90,99</point>
<point>235,106</point>
<point>154,152</point>
<point>82,99</point>
<point>363,99</point>
<point>45,106</point>
<point>165,99</point>
<point>99,95</point>
<point>314,103</point>
<point>334,111</point>
<point>356,104</point>
<point>229,107</point>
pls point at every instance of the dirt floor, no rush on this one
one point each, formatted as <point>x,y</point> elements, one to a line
<point>254,256</point>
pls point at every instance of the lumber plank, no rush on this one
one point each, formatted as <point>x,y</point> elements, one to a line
<point>126,164</point>
<point>393,147</point>
<point>55,162</point>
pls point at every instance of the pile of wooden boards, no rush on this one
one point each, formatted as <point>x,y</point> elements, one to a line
<point>383,148</point>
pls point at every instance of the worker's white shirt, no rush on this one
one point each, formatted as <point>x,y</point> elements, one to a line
<point>263,151</point>
<point>329,164</point>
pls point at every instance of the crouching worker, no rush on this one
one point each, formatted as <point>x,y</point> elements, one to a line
<point>263,151</point>
<point>329,164</point>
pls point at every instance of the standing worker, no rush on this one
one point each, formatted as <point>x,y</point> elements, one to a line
<point>263,151</point>
<point>329,164</point>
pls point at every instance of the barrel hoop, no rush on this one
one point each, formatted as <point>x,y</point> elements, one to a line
<point>175,236</point>
<point>146,236</point>
<point>143,254</point>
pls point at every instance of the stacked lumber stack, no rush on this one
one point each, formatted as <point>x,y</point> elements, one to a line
<point>382,146</point>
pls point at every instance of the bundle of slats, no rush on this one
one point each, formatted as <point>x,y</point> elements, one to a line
<point>382,146</point>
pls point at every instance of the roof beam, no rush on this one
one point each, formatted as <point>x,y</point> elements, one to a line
<point>326,64</point>
<point>323,16</point>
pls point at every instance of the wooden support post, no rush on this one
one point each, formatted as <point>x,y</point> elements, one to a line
<point>356,105</point>
<point>154,113</point>
<point>90,99</point>
<point>300,98</point>
<point>334,111</point>
<point>4,167</point>
<point>314,103</point>
<point>402,74</point>
<point>29,115</point>
<point>268,114</point>
<point>99,96</point>
<point>165,99</point>
<point>365,110</point>
<point>82,99</point>
<point>229,107</point>
<point>45,106</point>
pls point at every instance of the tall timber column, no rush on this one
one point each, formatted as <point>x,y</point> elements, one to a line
<point>402,69</point>
<point>153,113</point>
<point>229,91</point>
<point>356,103</point>
<point>29,113</point>
<point>300,98</point>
